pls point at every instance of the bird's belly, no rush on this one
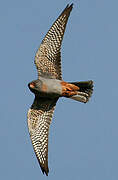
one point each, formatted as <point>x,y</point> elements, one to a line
<point>51,88</point>
<point>54,89</point>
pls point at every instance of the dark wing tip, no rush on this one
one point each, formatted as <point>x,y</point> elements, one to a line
<point>68,8</point>
<point>71,6</point>
<point>44,168</point>
<point>67,11</point>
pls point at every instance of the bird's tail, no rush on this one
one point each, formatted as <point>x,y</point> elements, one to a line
<point>84,92</point>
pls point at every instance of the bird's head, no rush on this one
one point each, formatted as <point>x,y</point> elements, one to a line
<point>35,86</point>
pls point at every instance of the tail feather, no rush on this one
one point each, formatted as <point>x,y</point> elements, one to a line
<point>85,91</point>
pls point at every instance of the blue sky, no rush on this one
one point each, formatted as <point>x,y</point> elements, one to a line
<point>83,141</point>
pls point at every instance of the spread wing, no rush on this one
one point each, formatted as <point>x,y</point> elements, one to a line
<point>48,56</point>
<point>39,119</point>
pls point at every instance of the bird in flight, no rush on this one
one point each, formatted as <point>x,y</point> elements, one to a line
<point>49,87</point>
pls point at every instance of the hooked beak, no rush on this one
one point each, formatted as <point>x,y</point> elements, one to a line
<point>32,85</point>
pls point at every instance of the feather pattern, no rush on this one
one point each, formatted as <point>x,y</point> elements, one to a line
<point>39,119</point>
<point>48,56</point>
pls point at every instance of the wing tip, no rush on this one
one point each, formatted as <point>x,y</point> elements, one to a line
<point>44,169</point>
<point>69,7</point>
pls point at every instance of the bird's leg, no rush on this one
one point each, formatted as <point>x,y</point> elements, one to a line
<point>68,89</point>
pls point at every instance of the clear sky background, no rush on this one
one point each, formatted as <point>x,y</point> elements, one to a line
<point>83,141</point>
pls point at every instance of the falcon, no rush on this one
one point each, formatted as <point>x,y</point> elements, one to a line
<point>49,87</point>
